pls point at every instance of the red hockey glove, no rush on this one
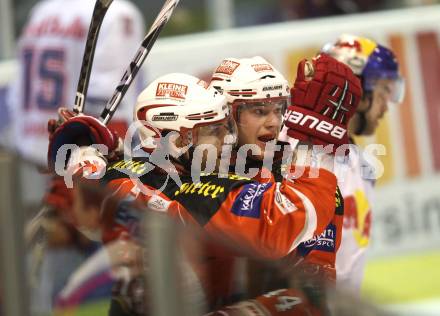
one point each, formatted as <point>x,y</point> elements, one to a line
<point>81,130</point>
<point>287,302</point>
<point>324,98</point>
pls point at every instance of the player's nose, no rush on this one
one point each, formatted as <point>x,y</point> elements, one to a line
<point>273,120</point>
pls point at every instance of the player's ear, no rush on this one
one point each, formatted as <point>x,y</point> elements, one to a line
<point>178,141</point>
<point>177,145</point>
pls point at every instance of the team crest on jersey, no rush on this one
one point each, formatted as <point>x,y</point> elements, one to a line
<point>227,67</point>
<point>283,203</point>
<point>262,67</point>
<point>158,203</point>
<point>171,90</point>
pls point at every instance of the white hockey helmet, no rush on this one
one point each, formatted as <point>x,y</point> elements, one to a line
<point>182,103</point>
<point>250,81</point>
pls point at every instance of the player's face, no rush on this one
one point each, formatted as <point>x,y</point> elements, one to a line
<point>381,98</point>
<point>214,135</point>
<point>260,123</point>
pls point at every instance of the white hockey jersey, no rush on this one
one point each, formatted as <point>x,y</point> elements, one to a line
<point>354,180</point>
<point>50,52</point>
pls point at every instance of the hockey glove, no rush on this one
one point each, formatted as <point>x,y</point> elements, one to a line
<point>81,130</point>
<point>323,99</point>
<point>287,302</point>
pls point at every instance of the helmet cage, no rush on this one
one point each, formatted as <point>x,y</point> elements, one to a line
<point>211,129</point>
<point>189,135</point>
<point>396,86</point>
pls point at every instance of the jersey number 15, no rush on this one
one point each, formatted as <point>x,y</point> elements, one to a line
<point>43,78</point>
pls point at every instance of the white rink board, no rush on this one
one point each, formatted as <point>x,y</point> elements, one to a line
<point>406,217</point>
<point>197,53</point>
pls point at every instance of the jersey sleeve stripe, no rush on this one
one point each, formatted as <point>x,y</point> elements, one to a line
<point>310,223</point>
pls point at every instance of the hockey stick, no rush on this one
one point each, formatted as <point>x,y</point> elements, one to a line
<point>101,7</point>
<point>139,58</point>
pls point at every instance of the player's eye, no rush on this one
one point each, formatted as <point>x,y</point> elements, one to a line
<point>387,89</point>
<point>259,112</point>
<point>278,111</point>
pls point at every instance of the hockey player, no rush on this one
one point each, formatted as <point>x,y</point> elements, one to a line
<point>259,96</point>
<point>378,69</point>
<point>265,219</point>
<point>50,51</point>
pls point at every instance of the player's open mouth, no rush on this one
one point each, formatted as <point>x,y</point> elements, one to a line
<point>266,138</point>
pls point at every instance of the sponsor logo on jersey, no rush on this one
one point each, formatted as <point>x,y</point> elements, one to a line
<point>271,88</point>
<point>248,202</point>
<point>262,67</point>
<point>157,203</point>
<point>357,217</point>
<point>283,203</point>
<point>324,242</point>
<point>314,123</point>
<point>206,189</point>
<point>130,167</point>
<point>171,90</point>
<point>229,176</point>
<point>227,67</point>
<point>165,117</point>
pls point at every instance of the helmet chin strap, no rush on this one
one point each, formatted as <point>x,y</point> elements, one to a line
<point>187,159</point>
<point>236,113</point>
<point>362,124</point>
<point>186,145</point>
